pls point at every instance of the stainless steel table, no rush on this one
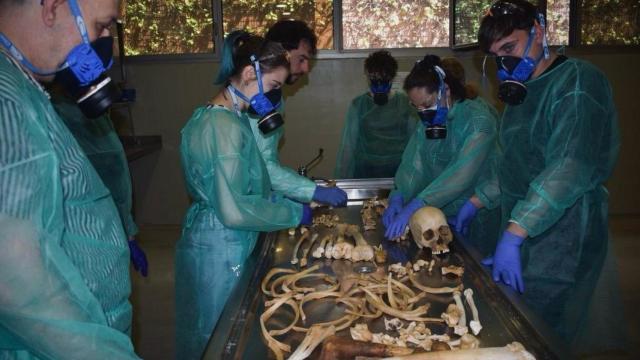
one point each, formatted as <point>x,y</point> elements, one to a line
<point>505,318</point>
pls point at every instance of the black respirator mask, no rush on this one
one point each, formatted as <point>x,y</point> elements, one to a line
<point>83,73</point>
<point>434,118</point>
<point>96,93</point>
<point>514,71</point>
<point>380,90</point>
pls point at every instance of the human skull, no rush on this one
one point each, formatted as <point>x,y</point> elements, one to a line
<point>429,229</point>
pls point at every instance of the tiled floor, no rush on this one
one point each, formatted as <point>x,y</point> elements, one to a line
<point>153,302</point>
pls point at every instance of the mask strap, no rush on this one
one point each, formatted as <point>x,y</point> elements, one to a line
<point>77,14</point>
<point>532,34</point>
<point>234,99</point>
<point>441,89</point>
<point>545,45</point>
<point>16,54</point>
<point>256,65</point>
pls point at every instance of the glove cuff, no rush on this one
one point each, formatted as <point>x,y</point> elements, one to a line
<point>512,239</point>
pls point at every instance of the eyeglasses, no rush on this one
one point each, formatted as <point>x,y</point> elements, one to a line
<point>503,8</point>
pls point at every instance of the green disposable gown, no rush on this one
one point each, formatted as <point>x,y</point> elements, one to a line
<point>232,202</point>
<point>100,142</point>
<point>444,172</point>
<point>374,137</point>
<point>64,277</point>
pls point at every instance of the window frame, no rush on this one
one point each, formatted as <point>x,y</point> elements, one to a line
<point>338,51</point>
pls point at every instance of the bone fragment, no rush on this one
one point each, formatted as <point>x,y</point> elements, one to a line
<point>305,251</point>
<point>452,269</point>
<point>294,256</point>
<point>328,249</point>
<point>339,348</point>
<point>419,265</point>
<point>319,251</point>
<point>475,323</point>
<point>513,351</point>
<point>363,251</point>
<point>393,324</point>
<point>452,315</point>
<point>380,254</point>
<point>361,332</point>
<point>314,337</point>
<point>431,264</point>
<point>461,328</point>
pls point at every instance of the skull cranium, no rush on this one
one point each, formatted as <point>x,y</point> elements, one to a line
<point>429,229</point>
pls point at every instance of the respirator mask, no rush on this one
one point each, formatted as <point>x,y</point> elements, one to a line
<point>514,71</point>
<point>83,72</point>
<point>261,104</point>
<point>435,118</point>
<point>380,90</point>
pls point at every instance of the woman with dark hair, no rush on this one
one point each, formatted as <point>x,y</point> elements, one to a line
<point>230,187</point>
<point>378,126</point>
<point>450,149</point>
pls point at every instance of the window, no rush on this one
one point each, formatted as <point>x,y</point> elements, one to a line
<point>469,13</point>
<point>609,22</point>
<point>467,17</point>
<point>258,16</point>
<point>154,27</point>
<point>558,22</point>
<point>395,24</point>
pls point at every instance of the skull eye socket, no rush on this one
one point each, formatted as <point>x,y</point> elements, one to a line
<point>429,234</point>
<point>445,233</point>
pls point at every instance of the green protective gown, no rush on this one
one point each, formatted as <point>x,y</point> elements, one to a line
<point>283,179</point>
<point>100,142</point>
<point>232,202</point>
<point>64,277</point>
<point>444,172</point>
<point>374,137</point>
<point>559,147</point>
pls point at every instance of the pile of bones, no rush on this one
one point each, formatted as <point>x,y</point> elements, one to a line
<point>393,293</point>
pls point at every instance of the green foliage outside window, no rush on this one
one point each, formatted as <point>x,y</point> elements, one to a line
<point>168,27</point>
<point>395,24</point>
<point>610,22</point>
<point>258,16</point>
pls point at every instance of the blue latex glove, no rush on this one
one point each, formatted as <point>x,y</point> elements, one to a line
<point>395,253</point>
<point>333,196</point>
<point>138,258</point>
<point>307,216</point>
<point>506,261</point>
<point>395,206</point>
<point>466,214</point>
<point>400,222</point>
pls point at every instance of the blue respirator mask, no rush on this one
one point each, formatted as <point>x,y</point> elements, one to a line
<point>380,90</point>
<point>261,104</point>
<point>83,72</point>
<point>513,71</point>
<point>435,118</point>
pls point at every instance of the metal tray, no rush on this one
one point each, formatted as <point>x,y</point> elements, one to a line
<point>503,316</point>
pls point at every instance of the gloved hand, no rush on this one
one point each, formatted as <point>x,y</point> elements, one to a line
<point>138,258</point>
<point>307,216</point>
<point>333,196</point>
<point>506,261</point>
<point>395,252</point>
<point>466,214</point>
<point>395,205</point>
<point>400,222</point>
